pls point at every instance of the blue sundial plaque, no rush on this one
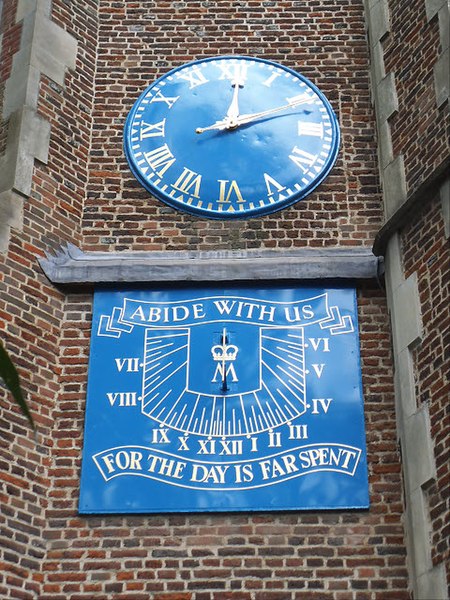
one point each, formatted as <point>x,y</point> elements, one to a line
<point>224,400</point>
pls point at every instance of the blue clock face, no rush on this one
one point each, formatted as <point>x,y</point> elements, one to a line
<point>231,137</point>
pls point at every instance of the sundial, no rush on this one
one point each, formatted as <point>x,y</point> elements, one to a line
<point>255,392</point>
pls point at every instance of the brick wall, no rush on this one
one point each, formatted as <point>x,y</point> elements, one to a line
<point>410,73</point>
<point>426,252</point>
<point>419,128</point>
<point>138,44</point>
<point>31,309</point>
<point>84,193</point>
<point>10,45</point>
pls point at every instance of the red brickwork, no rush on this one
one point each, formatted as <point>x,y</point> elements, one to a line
<point>427,253</point>
<point>137,44</point>
<point>49,552</point>
<point>420,130</point>
<point>339,555</point>
<point>32,310</point>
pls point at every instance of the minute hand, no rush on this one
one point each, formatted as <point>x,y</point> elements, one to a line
<point>244,119</point>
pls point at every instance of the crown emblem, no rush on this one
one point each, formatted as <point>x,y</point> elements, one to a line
<point>224,352</point>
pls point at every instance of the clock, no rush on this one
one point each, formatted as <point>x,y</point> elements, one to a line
<point>231,137</point>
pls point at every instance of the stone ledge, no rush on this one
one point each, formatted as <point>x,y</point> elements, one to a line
<point>70,265</point>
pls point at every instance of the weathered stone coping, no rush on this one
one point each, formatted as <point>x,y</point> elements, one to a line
<point>70,265</point>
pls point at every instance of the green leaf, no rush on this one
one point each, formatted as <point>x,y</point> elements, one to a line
<point>10,376</point>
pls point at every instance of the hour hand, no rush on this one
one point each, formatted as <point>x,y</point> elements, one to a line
<point>233,111</point>
<point>231,120</point>
<point>219,125</point>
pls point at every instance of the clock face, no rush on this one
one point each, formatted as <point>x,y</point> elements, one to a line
<point>231,137</point>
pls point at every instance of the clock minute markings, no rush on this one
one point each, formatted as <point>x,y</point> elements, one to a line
<point>304,160</point>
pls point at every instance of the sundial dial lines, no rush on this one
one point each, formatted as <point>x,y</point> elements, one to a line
<point>238,397</point>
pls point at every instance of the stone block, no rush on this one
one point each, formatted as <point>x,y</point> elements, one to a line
<point>432,7</point>
<point>377,64</point>
<point>394,186</point>
<point>442,78</point>
<point>25,7</point>
<point>405,391</point>
<point>444,26</point>
<point>420,521</point>
<point>385,144</point>
<point>407,325</point>
<point>28,138</point>
<point>11,215</point>
<point>387,100</point>
<point>379,25</point>
<point>418,445</point>
<point>394,265</point>
<point>432,584</point>
<point>445,204</point>
<point>71,265</point>
<point>56,49</point>
<point>45,49</point>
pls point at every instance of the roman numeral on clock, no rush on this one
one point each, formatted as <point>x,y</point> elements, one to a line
<point>273,185</point>
<point>229,189</point>
<point>268,82</point>
<point>235,72</point>
<point>160,158</point>
<point>188,182</point>
<point>194,76</point>
<point>303,160</point>
<point>152,129</point>
<point>159,97</point>
<point>309,128</point>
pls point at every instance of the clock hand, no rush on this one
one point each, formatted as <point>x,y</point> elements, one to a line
<point>224,371</point>
<point>230,121</point>
<point>233,111</point>
<point>244,119</point>
<point>220,125</point>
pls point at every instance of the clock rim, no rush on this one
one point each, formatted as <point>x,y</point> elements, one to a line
<point>245,213</point>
